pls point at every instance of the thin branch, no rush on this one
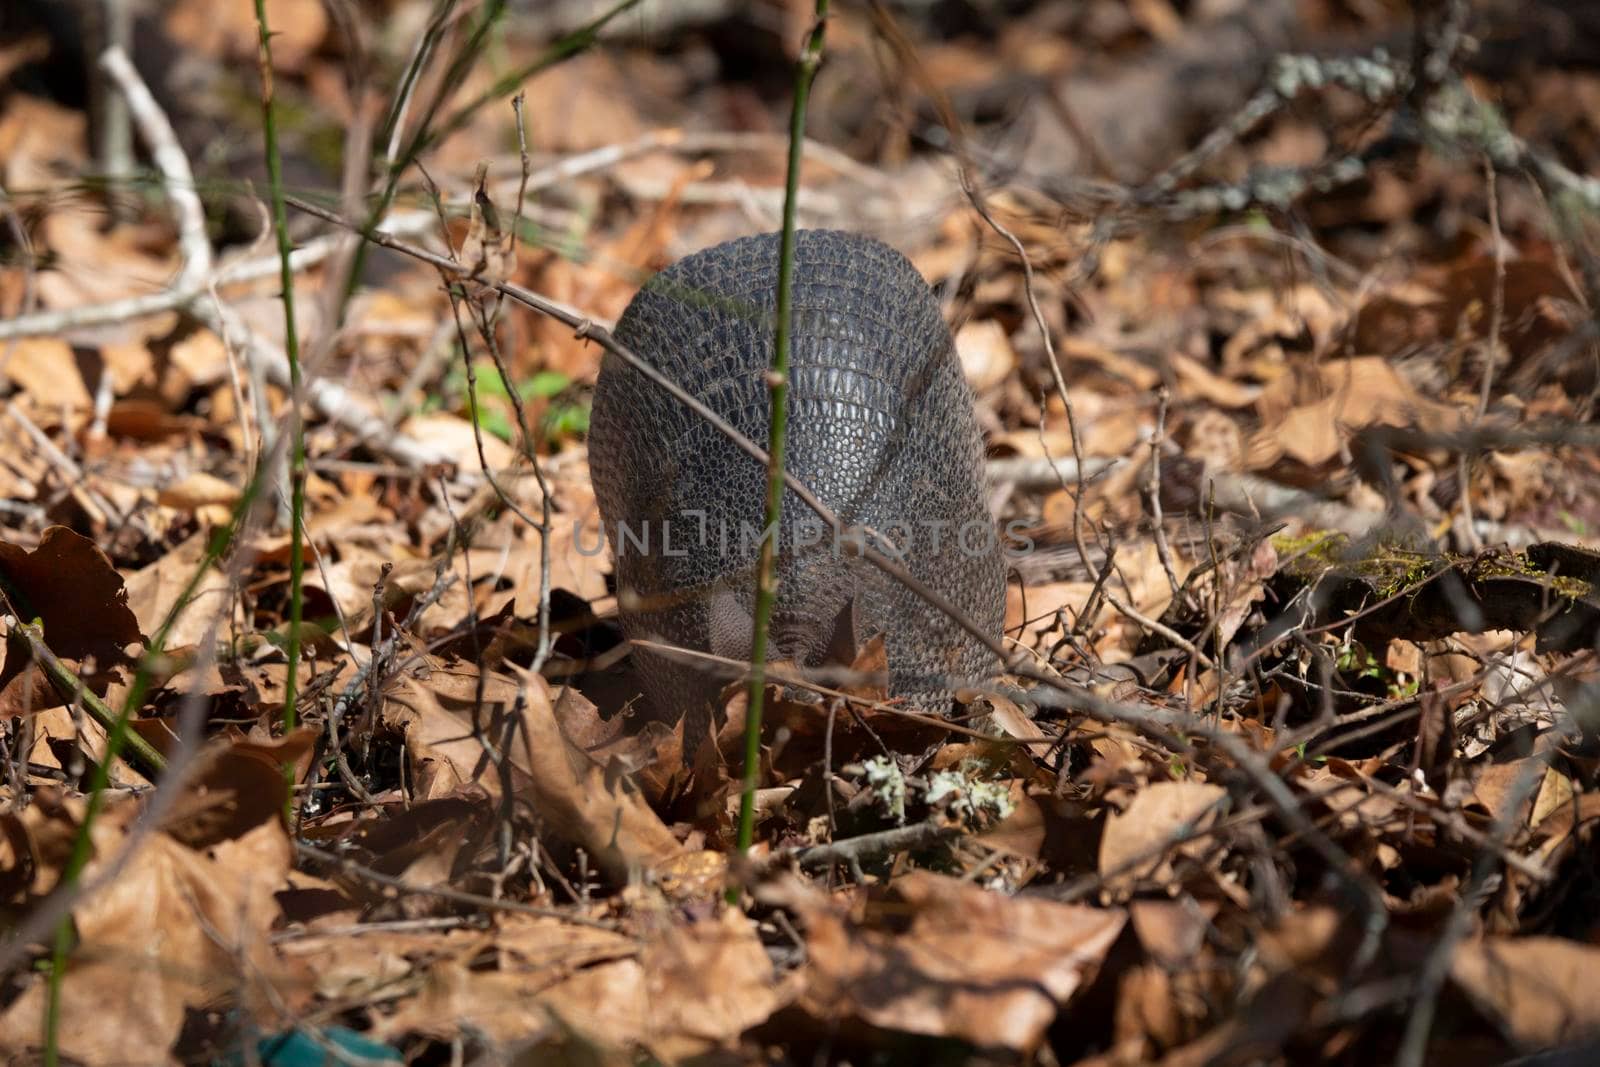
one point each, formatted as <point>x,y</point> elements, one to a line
<point>176,297</point>
<point>187,211</point>
<point>852,850</point>
<point>456,896</point>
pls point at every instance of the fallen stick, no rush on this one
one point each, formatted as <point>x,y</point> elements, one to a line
<point>181,294</point>
<point>191,290</point>
<point>853,850</point>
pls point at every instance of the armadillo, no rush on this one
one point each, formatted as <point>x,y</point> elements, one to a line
<point>881,428</point>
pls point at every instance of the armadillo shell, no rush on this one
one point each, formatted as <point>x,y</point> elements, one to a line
<point>881,428</point>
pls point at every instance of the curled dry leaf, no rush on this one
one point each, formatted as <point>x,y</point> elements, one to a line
<point>489,251</point>
<point>199,490</point>
<point>1138,843</point>
<point>678,990</point>
<point>944,958</point>
<point>567,790</point>
<point>70,586</point>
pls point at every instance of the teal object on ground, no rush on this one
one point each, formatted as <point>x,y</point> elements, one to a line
<point>296,1048</point>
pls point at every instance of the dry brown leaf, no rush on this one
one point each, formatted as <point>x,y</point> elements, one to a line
<point>233,786</point>
<point>146,420</point>
<point>168,934</point>
<point>45,369</point>
<point>1497,782</point>
<point>1031,612</point>
<point>582,104</point>
<point>1172,931</point>
<point>71,588</point>
<point>602,1003</point>
<point>202,359</point>
<point>1308,418</point>
<point>1243,586</point>
<point>1024,832</point>
<point>1216,439</point>
<point>153,590</point>
<point>1140,375</point>
<point>1196,380</point>
<point>1540,990</point>
<point>682,990</point>
<point>1138,843</point>
<point>229,31</point>
<point>93,265</point>
<point>1163,1006</point>
<point>571,794</point>
<point>454,436</point>
<point>39,140</point>
<point>944,958</point>
<point>986,355</point>
<point>199,490</point>
<point>705,984</point>
<point>1535,294</point>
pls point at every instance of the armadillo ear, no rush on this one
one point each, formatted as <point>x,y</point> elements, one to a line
<point>730,624</point>
<point>844,637</point>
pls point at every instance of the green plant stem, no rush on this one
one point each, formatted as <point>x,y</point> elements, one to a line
<point>766,579</point>
<point>118,736</point>
<point>460,64</point>
<point>118,733</point>
<point>141,755</point>
<point>291,349</point>
<point>425,137</point>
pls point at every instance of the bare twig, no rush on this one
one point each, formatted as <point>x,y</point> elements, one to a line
<point>1491,351</point>
<point>1153,489</point>
<point>852,850</point>
<point>176,297</point>
<point>456,896</point>
<point>188,212</point>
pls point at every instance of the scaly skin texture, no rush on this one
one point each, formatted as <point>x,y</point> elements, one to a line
<point>881,429</point>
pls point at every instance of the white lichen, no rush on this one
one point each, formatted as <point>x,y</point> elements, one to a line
<point>973,802</point>
<point>883,776</point>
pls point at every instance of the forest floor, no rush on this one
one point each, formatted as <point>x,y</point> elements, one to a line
<point>1280,320</point>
